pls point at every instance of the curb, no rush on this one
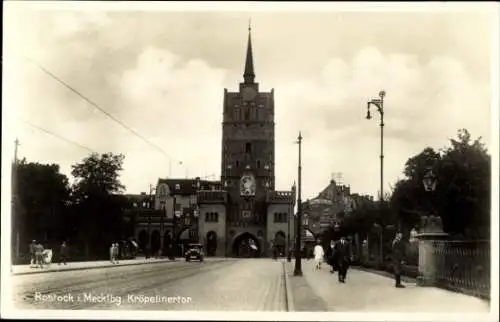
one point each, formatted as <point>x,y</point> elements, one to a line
<point>90,267</point>
<point>288,290</point>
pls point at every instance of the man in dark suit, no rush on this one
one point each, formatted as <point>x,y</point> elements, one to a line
<point>398,251</point>
<point>343,257</point>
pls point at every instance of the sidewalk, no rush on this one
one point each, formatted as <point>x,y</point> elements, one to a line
<point>364,291</point>
<point>71,266</point>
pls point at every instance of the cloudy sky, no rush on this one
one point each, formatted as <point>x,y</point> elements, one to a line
<point>163,72</point>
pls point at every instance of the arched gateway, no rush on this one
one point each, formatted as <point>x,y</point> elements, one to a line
<point>246,245</point>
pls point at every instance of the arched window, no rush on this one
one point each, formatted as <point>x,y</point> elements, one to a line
<point>248,147</point>
<point>237,163</point>
<point>258,164</point>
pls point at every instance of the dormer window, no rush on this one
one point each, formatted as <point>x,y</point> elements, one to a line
<point>177,186</point>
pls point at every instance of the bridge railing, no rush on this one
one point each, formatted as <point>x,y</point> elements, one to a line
<point>463,266</point>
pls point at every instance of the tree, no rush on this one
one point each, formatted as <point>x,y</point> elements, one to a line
<point>41,195</point>
<point>98,174</point>
<point>462,194</point>
<point>96,202</point>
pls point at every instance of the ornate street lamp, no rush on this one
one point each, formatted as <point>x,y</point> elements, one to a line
<point>379,104</point>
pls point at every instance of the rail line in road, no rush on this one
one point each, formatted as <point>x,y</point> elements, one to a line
<point>119,284</point>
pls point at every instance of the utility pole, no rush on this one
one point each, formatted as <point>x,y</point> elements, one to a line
<point>298,255</point>
<point>15,198</point>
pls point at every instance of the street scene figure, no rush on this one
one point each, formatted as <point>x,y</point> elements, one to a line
<point>331,257</point>
<point>343,257</point>
<point>32,253</point>
<point>39,254</point>
<point>398,251</point>
<point>63,254</point>
<point>112,253</point>
<point>319,255</point>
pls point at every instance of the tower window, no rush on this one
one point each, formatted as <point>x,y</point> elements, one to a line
<point>237,163</point>
<point>248,147</point>
<point>247,114</point>
<point>258,164</point>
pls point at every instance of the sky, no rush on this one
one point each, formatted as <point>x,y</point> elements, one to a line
<point>162,72</point>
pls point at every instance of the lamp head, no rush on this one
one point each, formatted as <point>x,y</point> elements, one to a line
<point>368,115</point>
<point>381,94</point>
<point>430,181</point>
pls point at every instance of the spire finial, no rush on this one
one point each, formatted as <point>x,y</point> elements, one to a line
<point>250,25</point>
<point>249,74</point>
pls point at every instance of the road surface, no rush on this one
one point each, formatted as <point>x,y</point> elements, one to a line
<point>216,284</point>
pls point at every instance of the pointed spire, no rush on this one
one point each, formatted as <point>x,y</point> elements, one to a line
<point>249,74</point>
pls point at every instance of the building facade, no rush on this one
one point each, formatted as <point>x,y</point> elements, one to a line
<point>242,215</point>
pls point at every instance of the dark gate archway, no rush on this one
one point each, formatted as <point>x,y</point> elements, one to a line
<point>246,245</point>
<point>280,243</point>
<point>211,243</point>
<point>143,240</point>
<point>168,244</point>
<point>155,242</point>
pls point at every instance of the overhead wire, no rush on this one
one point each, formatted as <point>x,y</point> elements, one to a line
<point>59,136</point>
<point>95,105</point>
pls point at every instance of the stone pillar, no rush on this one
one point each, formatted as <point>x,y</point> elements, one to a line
<point>431,231</point>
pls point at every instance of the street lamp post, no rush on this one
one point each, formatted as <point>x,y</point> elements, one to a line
<point>379,104</point>
<point>298,264</point>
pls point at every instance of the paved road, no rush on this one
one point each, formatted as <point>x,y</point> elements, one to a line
<point>216,284</point>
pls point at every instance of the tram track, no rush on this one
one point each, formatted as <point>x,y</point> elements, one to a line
<point>118,284</point>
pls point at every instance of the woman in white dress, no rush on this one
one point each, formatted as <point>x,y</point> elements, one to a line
<point>319,253</point>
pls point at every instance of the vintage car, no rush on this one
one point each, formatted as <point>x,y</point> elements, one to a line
<point>194,252</point>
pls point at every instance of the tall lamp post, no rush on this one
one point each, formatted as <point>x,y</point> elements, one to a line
<point>379,104</point>
<point>298,264</point>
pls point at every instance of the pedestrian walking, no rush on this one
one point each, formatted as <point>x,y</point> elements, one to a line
<point>319,254</point>
<point>343,256</point>
<point>38,249</point>
<point>63,254</point>
<point>32,253</point>
<point>397,257</point>
<point>112,253</point>
<point>331,258</point>
<point>117,253</point>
